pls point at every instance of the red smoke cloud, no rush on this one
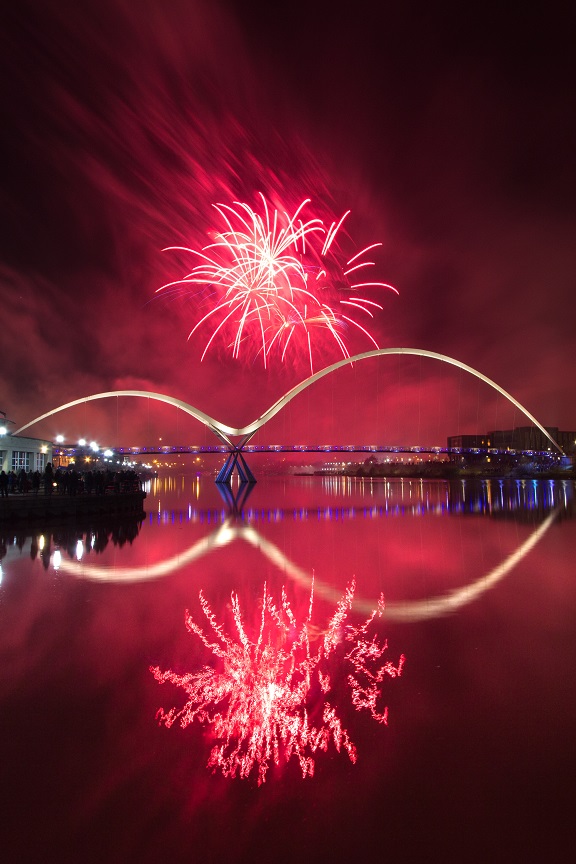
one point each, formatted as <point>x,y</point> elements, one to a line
<point>126,128</point>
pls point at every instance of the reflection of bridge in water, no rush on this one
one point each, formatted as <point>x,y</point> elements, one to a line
<point>546,501</point>
<point>539,502</point>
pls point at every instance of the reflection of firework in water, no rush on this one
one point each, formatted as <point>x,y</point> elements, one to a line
<point>267,698</point>
<point>274,278</point>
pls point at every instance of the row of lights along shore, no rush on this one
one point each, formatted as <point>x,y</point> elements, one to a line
<point>109,455</point>
<point>83,443</point>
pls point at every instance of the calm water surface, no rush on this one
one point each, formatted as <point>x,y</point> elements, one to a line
<point>477,762</point>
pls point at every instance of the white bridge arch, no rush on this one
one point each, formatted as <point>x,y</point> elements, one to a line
<point>226,433</point>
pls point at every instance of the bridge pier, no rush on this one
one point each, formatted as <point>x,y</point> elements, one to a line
<point>235,462</point>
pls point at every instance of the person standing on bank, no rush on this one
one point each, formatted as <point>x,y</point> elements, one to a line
<point>48,479</point>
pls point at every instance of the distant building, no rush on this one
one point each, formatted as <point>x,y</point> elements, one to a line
<point>532,438</point>
<point>525,438</point>
<point>468,442</point>
<point>567,440</point>
<point>31,454</point>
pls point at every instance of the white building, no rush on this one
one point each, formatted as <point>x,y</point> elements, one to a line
<point>16,452</point>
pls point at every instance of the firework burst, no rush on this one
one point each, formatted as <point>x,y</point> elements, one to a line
<point>271,697</point>
<point>272,283</point>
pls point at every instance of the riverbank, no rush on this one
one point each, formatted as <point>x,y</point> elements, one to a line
<point>452,471</point>
<point>30,507</point>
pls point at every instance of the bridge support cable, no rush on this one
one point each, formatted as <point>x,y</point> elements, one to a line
<point>221,430</point>
<point>381,352</point>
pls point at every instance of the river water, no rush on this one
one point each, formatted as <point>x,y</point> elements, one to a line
<point>476,761</point>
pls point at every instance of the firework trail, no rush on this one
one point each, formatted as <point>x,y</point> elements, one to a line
<point>275,281</point>
<point>266,698</point>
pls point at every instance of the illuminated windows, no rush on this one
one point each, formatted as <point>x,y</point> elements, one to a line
<point>21,459</point>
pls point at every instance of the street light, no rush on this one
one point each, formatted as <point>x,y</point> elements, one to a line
<point>3,429</point>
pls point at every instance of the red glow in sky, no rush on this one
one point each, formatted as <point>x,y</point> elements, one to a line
<point>272,696</point>
<point>450,138</point>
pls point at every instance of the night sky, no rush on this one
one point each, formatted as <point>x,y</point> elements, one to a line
<point>448,130</point>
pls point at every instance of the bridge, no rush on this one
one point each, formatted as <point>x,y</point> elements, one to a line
<point>198,449</point>
<point>236,449</point>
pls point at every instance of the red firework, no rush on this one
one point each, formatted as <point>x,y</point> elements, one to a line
<point>266,698</point>
<point>269,281</point>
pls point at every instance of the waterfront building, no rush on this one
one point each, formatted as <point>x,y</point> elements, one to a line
<point>468,442</point>
<point>470,450</point>
<point>532,438</point>
<point>520,438</point>
<point>30,454</point>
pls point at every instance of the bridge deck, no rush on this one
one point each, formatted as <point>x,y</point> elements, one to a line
<point>195,449</point>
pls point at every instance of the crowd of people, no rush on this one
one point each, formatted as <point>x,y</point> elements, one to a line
<point>68,481</point>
